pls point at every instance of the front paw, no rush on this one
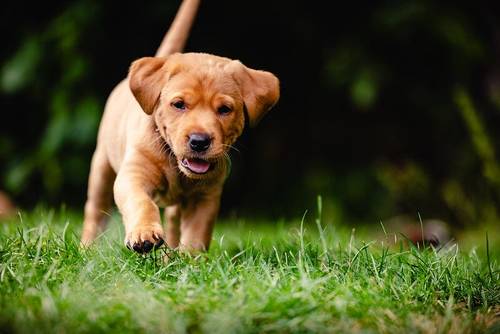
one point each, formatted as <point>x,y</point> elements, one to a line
<point>144,237</point>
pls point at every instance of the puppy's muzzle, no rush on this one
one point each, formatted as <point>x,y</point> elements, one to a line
<point>199,142</point>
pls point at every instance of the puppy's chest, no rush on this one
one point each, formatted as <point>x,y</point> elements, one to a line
<point>159,196</point>
<point>166,195</point>
<point>170,193</point>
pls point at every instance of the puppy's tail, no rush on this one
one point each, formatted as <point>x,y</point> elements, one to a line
<point>177,35</point>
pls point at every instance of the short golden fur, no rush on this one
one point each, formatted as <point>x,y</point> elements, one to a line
<point>143,155</point>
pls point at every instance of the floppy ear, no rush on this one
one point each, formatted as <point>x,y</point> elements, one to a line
<point>146,78</point>
<point>260,90</point>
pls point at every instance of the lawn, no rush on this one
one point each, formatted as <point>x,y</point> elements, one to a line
<point>258,277</point>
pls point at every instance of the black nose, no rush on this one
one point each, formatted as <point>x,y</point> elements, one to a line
<point>199,142</point>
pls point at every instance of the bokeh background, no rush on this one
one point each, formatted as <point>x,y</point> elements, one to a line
<point>388,108</point>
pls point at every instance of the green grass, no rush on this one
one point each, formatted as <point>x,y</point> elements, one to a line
<point>257,278</point>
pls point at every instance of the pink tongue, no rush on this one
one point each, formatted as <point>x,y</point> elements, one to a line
<point>197,165</point>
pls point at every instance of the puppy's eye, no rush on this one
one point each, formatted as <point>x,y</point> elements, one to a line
<point>223,110</point>
<point>180,105</point>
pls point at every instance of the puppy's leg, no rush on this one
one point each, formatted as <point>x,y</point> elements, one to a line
<point>197,222</point>
<point>133,187</point>
<point>99,197</point>
<point>172,218</point>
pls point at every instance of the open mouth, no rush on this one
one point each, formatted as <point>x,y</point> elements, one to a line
<point>196,165</point>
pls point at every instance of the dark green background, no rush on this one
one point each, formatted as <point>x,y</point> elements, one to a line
<point>387,107</point>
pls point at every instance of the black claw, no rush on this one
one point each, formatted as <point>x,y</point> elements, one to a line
<point>138,248</point>
<point>128,245</point>
<point>147,246</point>
<point>159,243</point>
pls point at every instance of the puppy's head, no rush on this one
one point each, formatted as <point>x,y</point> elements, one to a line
<point>199,102</point>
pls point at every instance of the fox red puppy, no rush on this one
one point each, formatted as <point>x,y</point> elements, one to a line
<point>164,139</point>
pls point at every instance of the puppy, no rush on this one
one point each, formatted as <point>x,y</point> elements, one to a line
<point>164,139</point>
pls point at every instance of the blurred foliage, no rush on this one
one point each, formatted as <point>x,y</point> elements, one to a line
<point>387,108</point>
<point>50,70</point>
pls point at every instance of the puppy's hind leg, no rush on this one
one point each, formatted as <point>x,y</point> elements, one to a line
<point>99,197</point>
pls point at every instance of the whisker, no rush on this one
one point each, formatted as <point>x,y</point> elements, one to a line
<point>158,137</point>
<point>231,147</point>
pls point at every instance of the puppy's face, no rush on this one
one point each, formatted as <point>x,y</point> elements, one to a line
<point>198,102</point>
